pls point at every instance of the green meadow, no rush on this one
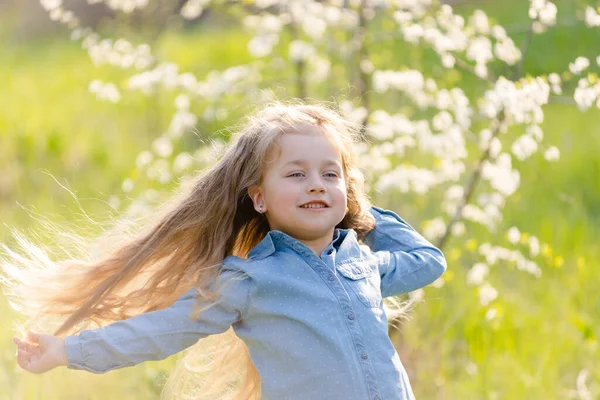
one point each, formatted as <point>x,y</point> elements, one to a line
<point>63,152</point>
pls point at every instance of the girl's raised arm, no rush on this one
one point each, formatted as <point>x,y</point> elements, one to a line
<point>408,260</point>
<point>157,334</point>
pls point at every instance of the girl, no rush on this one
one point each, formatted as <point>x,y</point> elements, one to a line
<point>277,242</point>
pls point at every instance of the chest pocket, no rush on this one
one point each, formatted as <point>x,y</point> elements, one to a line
<point>363,281</point>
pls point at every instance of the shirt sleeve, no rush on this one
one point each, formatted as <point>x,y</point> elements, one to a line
<point>155,335</point>
<point>408,261</point>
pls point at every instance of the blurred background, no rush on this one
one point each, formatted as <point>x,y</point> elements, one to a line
<point>70,145</point>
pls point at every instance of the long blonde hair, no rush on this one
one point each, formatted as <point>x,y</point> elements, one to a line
<point>183,247</point>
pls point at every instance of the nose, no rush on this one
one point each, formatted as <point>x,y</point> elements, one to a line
<point>315,185</point>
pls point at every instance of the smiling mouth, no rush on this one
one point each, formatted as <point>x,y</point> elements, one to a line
<point>314,206</point>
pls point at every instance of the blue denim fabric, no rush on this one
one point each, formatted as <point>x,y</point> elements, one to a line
<point>315,326</point>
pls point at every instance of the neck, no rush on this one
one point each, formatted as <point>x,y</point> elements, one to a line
<point>319,244</point>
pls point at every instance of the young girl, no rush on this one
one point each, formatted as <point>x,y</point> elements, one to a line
<point>277,242</point>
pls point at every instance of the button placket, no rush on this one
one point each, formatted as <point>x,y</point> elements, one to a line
<point>322,268</point>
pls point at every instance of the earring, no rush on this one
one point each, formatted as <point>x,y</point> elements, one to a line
<point>260,209</point>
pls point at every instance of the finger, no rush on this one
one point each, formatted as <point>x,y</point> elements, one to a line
<point>22,344</point>
<point>33,336</point>
<point>23,359</point>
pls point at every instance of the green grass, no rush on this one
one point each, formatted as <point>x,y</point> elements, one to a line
<point>51,126</point>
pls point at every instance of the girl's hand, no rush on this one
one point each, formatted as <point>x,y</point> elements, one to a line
<point>39,353</point>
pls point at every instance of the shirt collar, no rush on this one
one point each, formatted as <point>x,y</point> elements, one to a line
<point>344,241</point>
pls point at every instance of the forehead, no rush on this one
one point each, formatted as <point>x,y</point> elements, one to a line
<point>310,145</point>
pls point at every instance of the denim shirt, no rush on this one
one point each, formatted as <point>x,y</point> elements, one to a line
<point>315,326</point>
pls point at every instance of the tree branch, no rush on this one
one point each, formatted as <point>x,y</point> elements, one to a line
<point>471,185</point>
<point>524,49</point>
<point>364,78</point>
<point>300,65</point>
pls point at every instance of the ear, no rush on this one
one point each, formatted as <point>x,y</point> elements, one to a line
<point>255,193</point>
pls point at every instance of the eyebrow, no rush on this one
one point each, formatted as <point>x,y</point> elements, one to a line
<point>304,162</point>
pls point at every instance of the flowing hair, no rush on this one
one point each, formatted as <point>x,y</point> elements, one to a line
<point>182,247</point>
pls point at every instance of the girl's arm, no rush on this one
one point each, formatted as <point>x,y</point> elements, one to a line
<point>408,260</point>
<point>154,335</point>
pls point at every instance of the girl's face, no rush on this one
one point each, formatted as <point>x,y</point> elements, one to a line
<point>303,192</point>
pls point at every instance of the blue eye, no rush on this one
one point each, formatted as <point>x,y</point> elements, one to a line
<point>300,174</point>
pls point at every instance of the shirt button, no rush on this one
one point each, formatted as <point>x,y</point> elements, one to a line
<point>364,355</point>
<point>331,277</point>
<point>330,251</point>
<point>351,315</point>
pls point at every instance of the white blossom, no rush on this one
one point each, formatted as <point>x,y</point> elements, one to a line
<point>506,51</point>
<point>554,78</point>
<point>353,114</point>
<point>534,246</point>
<point>501,175</point>
<point>592,18</point>
<point>536,132</point>
<point>586,94</point>
<point>182,162</point>
<point>105,91</point>
<point>262,45</point>
<point>143,159</point>
<point>442,121</point>
<point>407,178</point>
<point>491,313</point>
<point>50,5</point>
<point>524,147</point>
<point>407,81</point>
<point>487,216</point>
<point>543,11</point>
<point>498,32</point>
<point>162,146</point>
<point>182,102</point>
<point>555,82</point>
<point>193,8</point>
<point>522,104</point>
<point>127,185</point>
<point>480,50</point>
<point>300,50</point>
<point>480,22</point>
<point>552,154</point>
<point>514,235</point>
<point>494,198</point>
<point>494,254</point>
<point>471,368</point>
<point>434,229</point>
<point>487,294</point>
<point>448,60</point>
<point>579,65</point>
<point>477,274</point>
<point>495,148</point>
<point>182,121</point>
<point>458,229</point>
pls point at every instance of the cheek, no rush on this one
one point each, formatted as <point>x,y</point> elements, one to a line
<point>341,189</point>
<point>283,192</point>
